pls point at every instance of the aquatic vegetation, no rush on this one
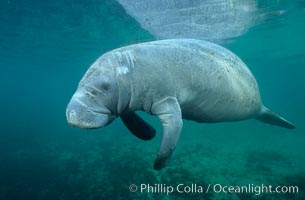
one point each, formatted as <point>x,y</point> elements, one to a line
<point>264,161</point>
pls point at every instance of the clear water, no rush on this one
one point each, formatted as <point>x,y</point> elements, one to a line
<point>46,47</point>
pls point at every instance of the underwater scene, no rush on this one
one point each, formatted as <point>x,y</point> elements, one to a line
<point>46,47</point>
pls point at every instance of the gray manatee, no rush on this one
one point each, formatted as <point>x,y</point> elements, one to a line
<point>173,79</point>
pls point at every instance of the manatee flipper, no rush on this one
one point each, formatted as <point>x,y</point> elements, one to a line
<point>269,117</point>
<point>137,126</point>
<point>168,110</point>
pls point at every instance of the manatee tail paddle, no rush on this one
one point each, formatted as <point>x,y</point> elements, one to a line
<point>269,117</point>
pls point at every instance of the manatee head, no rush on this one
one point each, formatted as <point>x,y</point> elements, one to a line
<point>94,104</point>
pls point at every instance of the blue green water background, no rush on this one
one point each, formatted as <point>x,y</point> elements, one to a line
<point>46,47</point>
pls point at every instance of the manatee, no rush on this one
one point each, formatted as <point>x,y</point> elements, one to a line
<point>174,79</point>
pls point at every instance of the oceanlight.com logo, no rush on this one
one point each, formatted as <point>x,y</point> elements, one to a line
<point>195,188</point>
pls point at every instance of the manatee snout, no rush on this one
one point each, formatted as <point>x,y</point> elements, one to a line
<point>81,116</point>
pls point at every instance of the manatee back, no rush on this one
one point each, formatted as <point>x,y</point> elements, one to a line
<point>196,72</point>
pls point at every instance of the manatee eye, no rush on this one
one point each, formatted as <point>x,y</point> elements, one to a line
<point>105,86</point>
